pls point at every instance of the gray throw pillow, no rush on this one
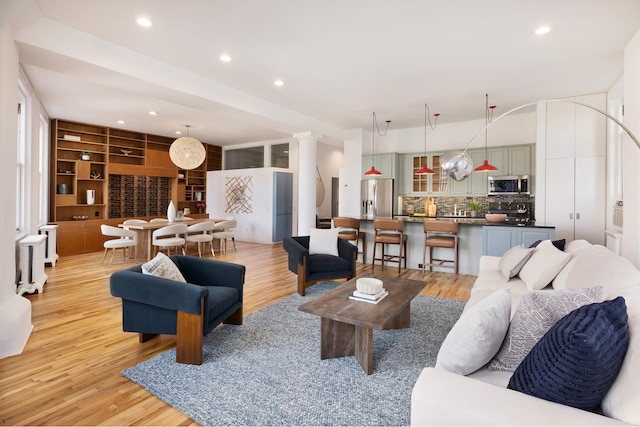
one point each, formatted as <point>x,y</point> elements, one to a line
<point>537,312</point>
<point>513,260</point>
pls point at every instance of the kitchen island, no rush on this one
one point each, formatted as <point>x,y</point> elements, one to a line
<point>475,237</point>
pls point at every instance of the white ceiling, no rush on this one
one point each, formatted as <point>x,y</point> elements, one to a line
<point>340,60</point>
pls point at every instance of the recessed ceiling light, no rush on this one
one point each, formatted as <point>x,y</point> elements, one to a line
<point>278,83</point>
<point>542,30</point>
<point>153,113</point>
<point>225,58</point>
<point>120,122</point>
<point>178,132</point>
<point>144,22</point>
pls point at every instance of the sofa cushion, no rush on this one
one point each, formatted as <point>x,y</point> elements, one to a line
<point>560,243</point>
<point>162,266</point>
<point>477,335</point>
<point>545,263</point>
<point>575,245</point>
<point>597,265</point>
<point>538,311</point>
<point>622,400</point>
<point>513,260</point>
<point>578,359</point>
<point>327,263</point>
<point>323,241</point>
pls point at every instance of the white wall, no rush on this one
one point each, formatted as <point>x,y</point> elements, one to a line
<point>351,174</point>
<point>330,160</point>
<point>631,153</point>
<point>15,311</point>
<point>256,226</point>
<point>516,128</point>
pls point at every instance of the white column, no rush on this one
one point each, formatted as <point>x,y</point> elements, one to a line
<point>307,161</point>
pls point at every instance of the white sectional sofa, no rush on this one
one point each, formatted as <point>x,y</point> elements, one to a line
<point>481,398</point>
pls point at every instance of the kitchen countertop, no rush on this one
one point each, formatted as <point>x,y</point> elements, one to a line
<point>470,221</point>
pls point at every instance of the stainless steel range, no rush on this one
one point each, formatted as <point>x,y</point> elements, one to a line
<point>517,212</point>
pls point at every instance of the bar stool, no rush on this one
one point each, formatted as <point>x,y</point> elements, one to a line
<point>440,234</point>
<point>349,229</point>
<point>389,232</point>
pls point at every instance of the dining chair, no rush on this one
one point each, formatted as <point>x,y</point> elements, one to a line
<point>200,234</point>
<point>225,230</point>
<point>170,236</point>
<point>124,239</point>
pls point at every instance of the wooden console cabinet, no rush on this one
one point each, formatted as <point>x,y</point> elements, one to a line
<point>98,159</point>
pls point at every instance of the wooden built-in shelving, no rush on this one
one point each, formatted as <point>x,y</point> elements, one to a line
<point>116,156</point>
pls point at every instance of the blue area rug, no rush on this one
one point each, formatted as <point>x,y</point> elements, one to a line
<point>268,371</point>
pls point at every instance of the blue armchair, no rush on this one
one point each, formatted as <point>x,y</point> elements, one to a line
<point>153,305</point>
<point>318,267</point>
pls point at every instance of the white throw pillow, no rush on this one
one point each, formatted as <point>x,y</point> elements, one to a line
<point>537,312</point>
<point>323,241</point>
<point>513,260</point>
<point>477,335</point>
<point>545,264</point>
<point>163,266</point>
<point>575,245</point>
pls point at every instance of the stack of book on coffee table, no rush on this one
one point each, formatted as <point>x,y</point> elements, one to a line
<point>370,298</point>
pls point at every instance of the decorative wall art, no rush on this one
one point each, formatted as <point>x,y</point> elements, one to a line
<point>239,194</point>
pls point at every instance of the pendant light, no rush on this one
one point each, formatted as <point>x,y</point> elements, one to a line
<point>488,114</point>
<point>374,126</point>
<point>187,152</point>
<point>425,169</point>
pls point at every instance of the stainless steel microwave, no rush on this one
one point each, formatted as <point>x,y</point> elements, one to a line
<point>509,184</point>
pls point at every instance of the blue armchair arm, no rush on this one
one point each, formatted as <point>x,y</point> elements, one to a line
<point>297,247</point>
<point>346,250</point>
<point>210,272</point>
<point>168,294</point>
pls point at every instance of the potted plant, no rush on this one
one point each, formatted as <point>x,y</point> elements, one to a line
<point>201,206</point>
<point>85,155</point>
<point>475,206</point>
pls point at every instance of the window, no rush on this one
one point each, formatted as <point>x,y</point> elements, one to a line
<point>20,163</point>
<point>280,155</point>
<point>244,158</point>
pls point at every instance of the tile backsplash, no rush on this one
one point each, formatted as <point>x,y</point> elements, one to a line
<point>408,205</point>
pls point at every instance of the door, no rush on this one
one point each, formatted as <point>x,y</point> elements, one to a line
<point>560,197</point>
<point>335,196</point>
<point>590,199</point>
<point>282,205</point>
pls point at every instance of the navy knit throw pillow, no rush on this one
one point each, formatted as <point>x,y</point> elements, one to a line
<point>578,358</point>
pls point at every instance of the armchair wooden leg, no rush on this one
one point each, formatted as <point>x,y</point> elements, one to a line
<point>189,331</point>
<point>144,337</point>
<point>235,318</point>
<point>302,271</point>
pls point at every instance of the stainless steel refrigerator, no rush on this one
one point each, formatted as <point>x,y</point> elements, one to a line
<point>376,198</point>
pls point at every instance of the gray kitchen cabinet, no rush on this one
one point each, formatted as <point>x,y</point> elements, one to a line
<point>476,183</point>
<point>384,162</point>
<point>498,239</point>
<point>514,160</point>
<point>405,172</point>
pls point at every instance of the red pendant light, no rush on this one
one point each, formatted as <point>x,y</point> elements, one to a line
<point>373,171</point>
<point>425,169</point>
<point>488,115</point>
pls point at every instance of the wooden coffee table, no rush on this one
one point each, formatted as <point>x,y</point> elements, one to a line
<point>346,327</point>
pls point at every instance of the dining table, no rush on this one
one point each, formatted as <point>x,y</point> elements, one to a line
<point>145,231</point>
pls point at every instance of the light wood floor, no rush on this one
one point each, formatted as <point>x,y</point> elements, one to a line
<point>69,372</point>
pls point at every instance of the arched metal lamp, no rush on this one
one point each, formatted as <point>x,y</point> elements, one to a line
<point>187,152</point>
<point>459,167</point>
